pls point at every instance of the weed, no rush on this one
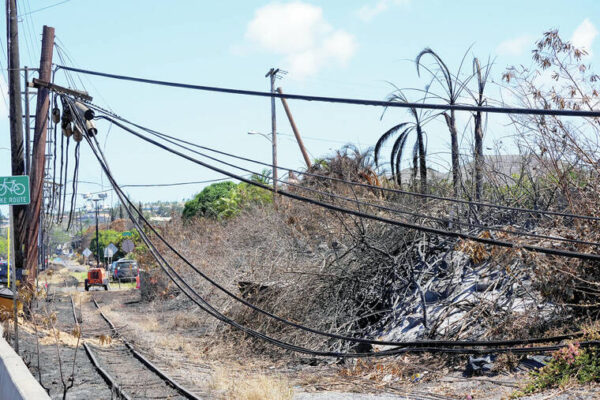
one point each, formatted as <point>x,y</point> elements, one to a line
<point>569,364</point>
<point>255,387</point>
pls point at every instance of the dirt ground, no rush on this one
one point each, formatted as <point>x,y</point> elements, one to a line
<point>178,341</point>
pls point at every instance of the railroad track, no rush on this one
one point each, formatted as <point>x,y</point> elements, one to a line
<point>128,373</point>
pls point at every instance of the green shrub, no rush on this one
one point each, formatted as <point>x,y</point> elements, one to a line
<point>226,199</point>
<point>202,203</point>
<point>568,364</point>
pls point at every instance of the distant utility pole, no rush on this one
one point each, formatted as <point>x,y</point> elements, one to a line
<point>273,75</point>
<point>16,128</point>
<point>96,200</point>
<point>295,129</point>
<point>38,161</point>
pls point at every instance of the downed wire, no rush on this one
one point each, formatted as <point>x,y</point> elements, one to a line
<point>380,207</point>
<point>420,343</point>
<point>204,305</point>
<point>435,231</point>
<point>359,184</point>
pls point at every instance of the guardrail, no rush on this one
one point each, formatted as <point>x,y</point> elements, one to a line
<point>16,382</point>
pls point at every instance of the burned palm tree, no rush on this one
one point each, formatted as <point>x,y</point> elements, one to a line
<point>482,74</point>
<point>420,117</point>
<point>453,88</point>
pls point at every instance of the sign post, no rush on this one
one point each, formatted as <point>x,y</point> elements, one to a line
<point>14,190</point>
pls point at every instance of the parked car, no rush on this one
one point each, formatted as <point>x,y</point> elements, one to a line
<point>126,270</point>
<point>4,273</point>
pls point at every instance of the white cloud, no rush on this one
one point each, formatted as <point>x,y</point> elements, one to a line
<point>584,35</point>
<point>370,11</point>
<point>299,32</point>
<point>516,46</point>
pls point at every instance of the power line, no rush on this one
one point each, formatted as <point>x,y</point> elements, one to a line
<point>341,100</point>
<point>435,231</point>
<point>153,185</point>
<point>45,8</point>
<point>204,305</point>
<point>359,184</point>
<point>394,210</point>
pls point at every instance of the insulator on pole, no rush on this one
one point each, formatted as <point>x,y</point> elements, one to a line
<point>66,117</point>
<point>55,115</point>
<point>91,128</point>
<point>85,111</point>
<point>77,134</point>
<point>67,129</point>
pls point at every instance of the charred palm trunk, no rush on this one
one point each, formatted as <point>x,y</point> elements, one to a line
<point>422,162</point>
<point>414,172</point>
<point>478,156</point>
<point>451,122</point>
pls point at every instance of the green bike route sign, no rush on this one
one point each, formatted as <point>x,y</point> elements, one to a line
<point>14,190</point>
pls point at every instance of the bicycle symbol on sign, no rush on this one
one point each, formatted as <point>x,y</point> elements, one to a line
<point>10,186</point>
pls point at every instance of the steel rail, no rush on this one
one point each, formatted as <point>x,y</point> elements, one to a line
<point>107,377</point>
<point>170,381</point>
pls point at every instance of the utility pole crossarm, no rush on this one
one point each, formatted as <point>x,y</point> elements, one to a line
<point>37,83</point>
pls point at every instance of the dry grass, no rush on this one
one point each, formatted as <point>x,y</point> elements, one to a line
<point>249,387</point>
<point>185,320</point>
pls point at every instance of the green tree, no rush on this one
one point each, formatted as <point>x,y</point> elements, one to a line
<point>109,236</point>
<point>202,203</point>
<point>3,247</point>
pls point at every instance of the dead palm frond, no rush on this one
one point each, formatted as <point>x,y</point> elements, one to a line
<point>420,117</point>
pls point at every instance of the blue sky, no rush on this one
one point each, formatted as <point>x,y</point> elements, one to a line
<point>335,48</point>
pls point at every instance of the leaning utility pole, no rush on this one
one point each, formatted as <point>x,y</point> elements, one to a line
<point>273,75</point>
<point>38,159</point>
<point>16,128</point>
<point>295,129</point>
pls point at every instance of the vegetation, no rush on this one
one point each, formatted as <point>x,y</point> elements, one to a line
<point>569,365</point>
<point>226,199</point>
<point>482,74</point>
<point>3,247</point>
<point>420,117</point>
<point>110,236</point>
<point>202,203</point>
<point>452,88</point>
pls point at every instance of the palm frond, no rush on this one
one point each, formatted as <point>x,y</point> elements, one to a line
<point>385,137</point>
<point>398,150</point>
<point>435,78</point>
<point>441,64</point>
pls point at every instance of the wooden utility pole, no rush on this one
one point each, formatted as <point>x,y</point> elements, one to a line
<point>295,129</point>
<point>38,159</point>
<point>27,123</point>
<point>16,129</point>
<point>17,213</point>
<point>273,75</point>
